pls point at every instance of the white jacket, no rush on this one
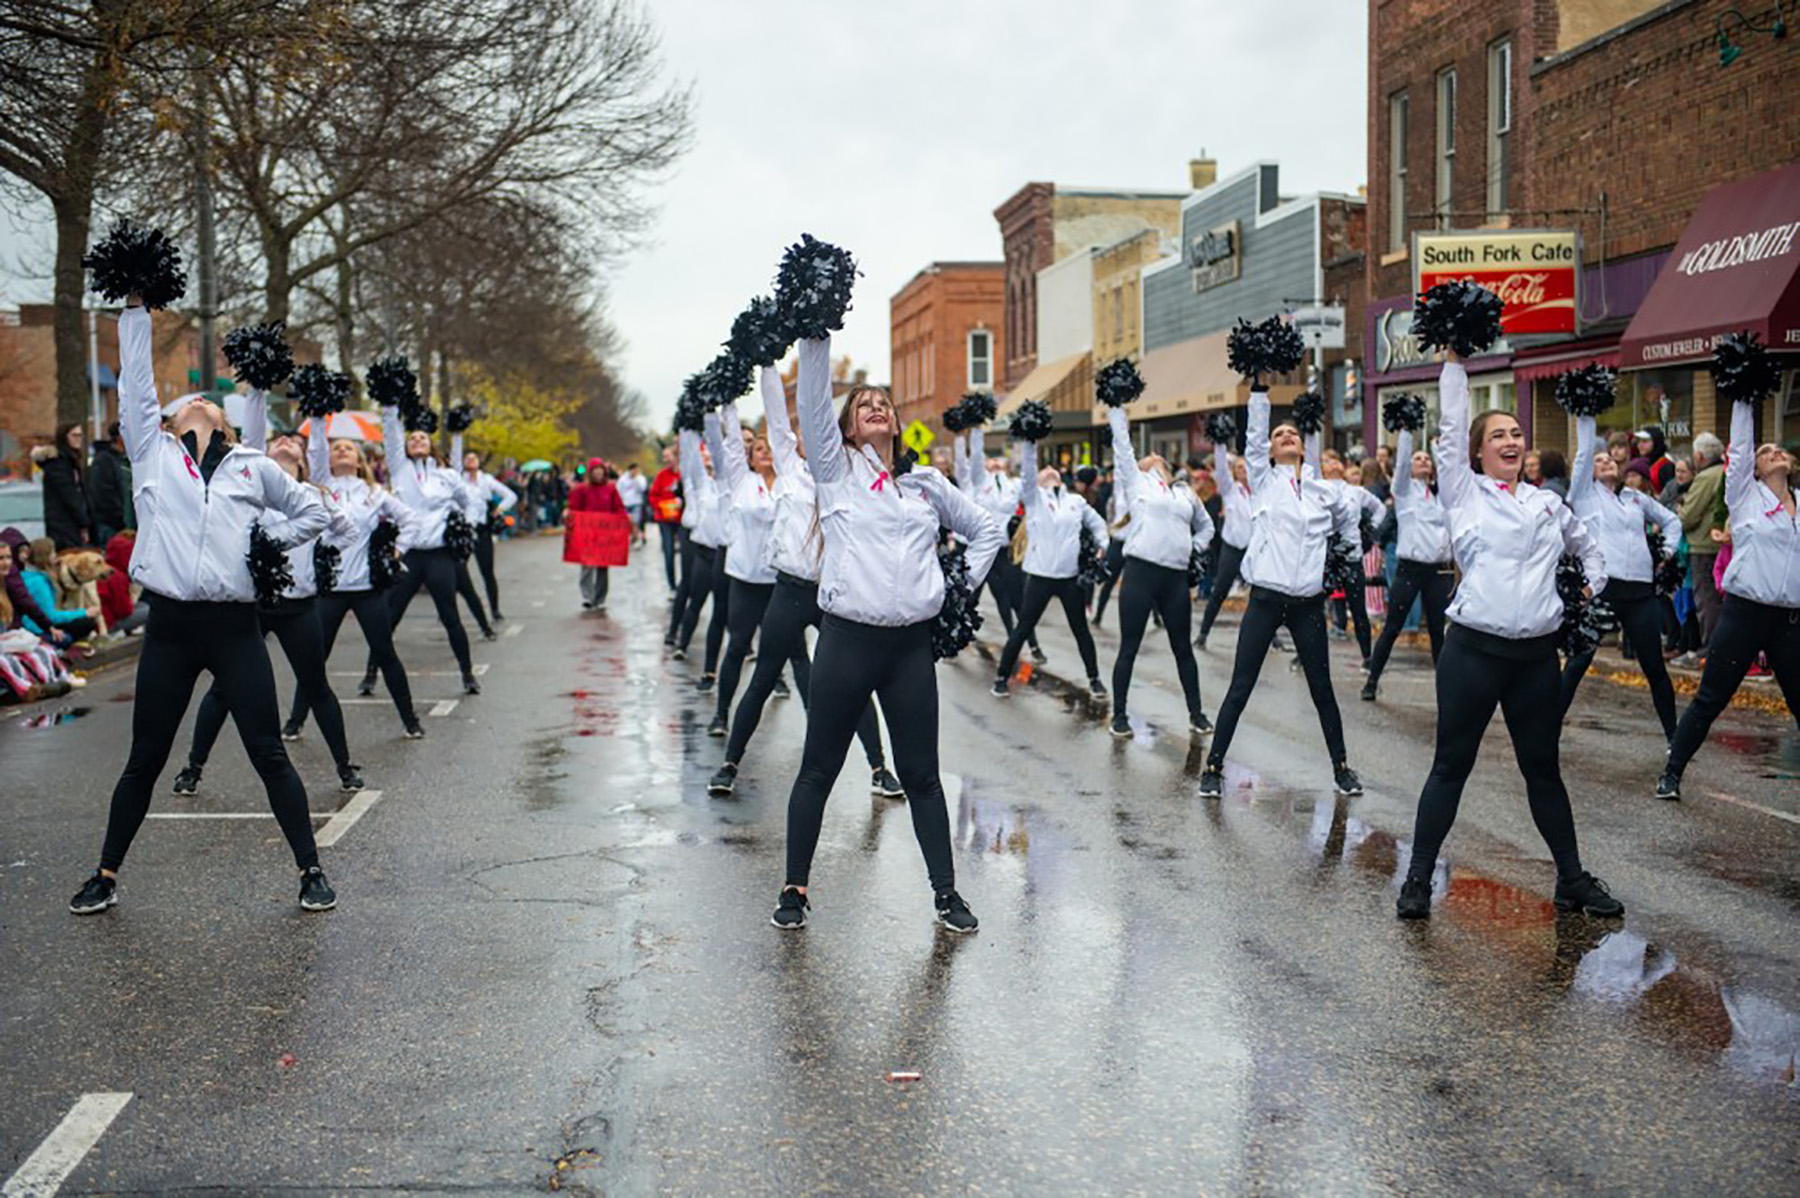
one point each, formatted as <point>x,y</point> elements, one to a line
<point>299,557</point>
<point>1292,516</point>
<point>1168,524</point>
<point>1507,541</point>
<point>702,513</point>
<point>430,490</point>
<point>1053,523</point>
<point>794,546</point>
<point>483,488</point>
<point>1424,524</point>
<point>1617,521</point>
<point>193,537</point>
<point>749,503</point>
<point>1236,498</point>
<point>1765,540</point>
<point>995,491</point>
<point>357,509</point>
<point>880,562</point>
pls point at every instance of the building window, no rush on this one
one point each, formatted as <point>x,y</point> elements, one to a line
<point>1446,145</point>
<point>981,360</point>
<point>1499,124</point>
<point>1397,171</point>
<point>1119,312</point>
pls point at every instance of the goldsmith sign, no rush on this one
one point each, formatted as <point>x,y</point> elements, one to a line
<point>1534,272</point>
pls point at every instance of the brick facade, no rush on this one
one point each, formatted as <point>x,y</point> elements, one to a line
<point>931,320</point>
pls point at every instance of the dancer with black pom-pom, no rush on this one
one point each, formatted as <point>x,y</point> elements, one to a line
<point>1344,553</point>
<point>1055,524</point>
<point>703,546</point>
<point>1762,583</point>
<point>881,588</point>
<point>1234,493</point>
<point>993,488</point>
<point>197,498</point>
<point>1616,517</point>
<point>1168,527</point>
<point>1500,653</point>
<point>1426,571</point>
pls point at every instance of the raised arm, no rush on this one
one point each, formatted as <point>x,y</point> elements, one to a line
<point>1740,457</point>
<point>715,445</point>
<point>968,520</point>
<point>393,442</point>
<point>1403,479</point>
<point>959,456</point>
<point>1126,478</point>
<point>1029,495</point>
<point>1228,495</point>
<point>256,420</point>
<point>818,424</point>
<point>1314,448</point>
<point>1456,478</point>
<point>140,417</point>
<point>1256,439</point>
<point>301,514</point>
<point>318,449</point>
<point>1581,474</point>
<point>977,460</point>
<point>731,450</point>
<point>781,433</point>
<point>692,469</point>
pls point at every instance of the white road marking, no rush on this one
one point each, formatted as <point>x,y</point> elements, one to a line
<point>1725,798</point>
<point>345,819</point>
<point>215,815</point>
<point>514,630</point>
<point>537,603</point>
<point>45,1170</point>
<point>443,707</point>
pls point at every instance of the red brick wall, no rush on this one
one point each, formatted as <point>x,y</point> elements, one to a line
<point>929,323</point>
<point>1028,239</point>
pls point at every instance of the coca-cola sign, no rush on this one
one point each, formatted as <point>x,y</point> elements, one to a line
<point>1534,272</point>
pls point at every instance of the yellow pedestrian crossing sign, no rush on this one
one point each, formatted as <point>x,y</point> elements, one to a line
<point>918,438</point>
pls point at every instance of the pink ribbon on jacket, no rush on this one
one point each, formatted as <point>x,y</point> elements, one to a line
<point>880,483</point>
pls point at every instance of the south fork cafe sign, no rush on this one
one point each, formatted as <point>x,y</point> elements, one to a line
<point>1534,272</point>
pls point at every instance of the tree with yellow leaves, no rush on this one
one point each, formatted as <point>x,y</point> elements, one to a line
<point>519,420</point>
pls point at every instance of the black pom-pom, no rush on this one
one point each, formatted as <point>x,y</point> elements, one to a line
<point>269,569</point>
<point>420,418</point>
<point>459,535</point>
<point>259,354</point>
<point>1587,390</point>
<point>759,336</point>
<point>813,286</point>
<point>135,260</point>
<point>392,383</point>
<point>1403,413</point>
<point>956,418</point>
<point>318,392</point>
<point>958,619</point>
<point>1343,565</point>
<point>1742,370</point>
<point>690,409</point>
<point>1118,383</point>
<point>1585,621</point>
<point>1309,412</point>
<point>325,566</point>
<point>1031,422</point>
<point>904,461</point>
<point>1458,315</point>
<point>725,378</point>
<point>1271,347</point>
<point>460,417</point>
<point>1221,428</point>
<point>1091,569</point>
<point>1669,573</point>
<point>385,563</point>
<point>981,406</point>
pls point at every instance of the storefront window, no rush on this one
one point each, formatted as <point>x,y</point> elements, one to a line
<point>1664,397</point>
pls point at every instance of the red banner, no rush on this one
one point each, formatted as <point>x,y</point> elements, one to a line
<point>596,538</point>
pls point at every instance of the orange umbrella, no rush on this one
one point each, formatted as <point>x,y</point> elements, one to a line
<point>349,426</point>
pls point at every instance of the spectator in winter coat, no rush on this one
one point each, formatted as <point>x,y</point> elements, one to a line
<point>598,494</point>
<point>24,607</point>
<point>39,580</point>
<point>123,607</point>
<point>1702,512</point>
<point>66,517</point>
<point>109,489</point>
<point>665,510</point>
<point>1649,443</point>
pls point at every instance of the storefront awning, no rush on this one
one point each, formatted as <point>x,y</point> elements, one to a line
<point>1737,266</point>
<point>1193,376</point>
<point>1548,361</point>
<point>1041,382</point>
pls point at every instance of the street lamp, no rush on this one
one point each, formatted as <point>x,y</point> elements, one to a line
<point>1730,51</point>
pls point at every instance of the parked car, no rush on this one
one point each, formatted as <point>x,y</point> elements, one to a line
<point>22,507</point>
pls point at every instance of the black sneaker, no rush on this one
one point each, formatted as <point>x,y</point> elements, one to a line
<point>415,730</point>
<point>1368,691</point>
<point>290,731</point>
<point>1038,655</point>
<point>717,728</point>
<point>705,685</point>
<point>781,690</point>
<point>1212,783</point>
<point>1121,725</point>
<point>498,617</point>
<point>1588,894</point>
<point>1667,787</point>
<point>954,914</point>
<point>187,781</point>
<point>1415,899</point>
<point>883,783</point>
<point>680,654</point>
<point>723,782</point>
<point>316,893</point>
<point>1200,643</point>
<point>488,634</point>
<point>96,895</point>
<point>790,910</point>
<point>471,686</point>
<point>1346,781</point>
<point>366,687</point>
<point>1000,690</point>
<point>1198,724</point>
<point>349,781</point>
<point>1096,689</point>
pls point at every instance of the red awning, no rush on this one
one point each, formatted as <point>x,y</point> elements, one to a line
<point>1547,361</point>
<point>1737,266</point>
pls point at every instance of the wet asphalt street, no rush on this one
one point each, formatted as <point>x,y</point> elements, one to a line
<point>552,966</point>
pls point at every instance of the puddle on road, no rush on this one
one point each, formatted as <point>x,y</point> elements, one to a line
<point>52,719</point>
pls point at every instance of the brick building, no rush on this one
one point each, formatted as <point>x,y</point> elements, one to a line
<point>944,337</point>
<point>1609,118</point>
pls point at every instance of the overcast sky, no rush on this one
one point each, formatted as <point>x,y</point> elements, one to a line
<point>896,129</point>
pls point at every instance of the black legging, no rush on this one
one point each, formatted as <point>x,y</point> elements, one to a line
<point>697,582</point>
<point>749,600</point>
<point>435,570</point>
<point>672,540</point>
<point>1150,587</point>
<point>1115,564</point>
<point>792,608</point>
<point>1267,612</point>
<point>484,560</point>
<point>721,611</point>
<point>1745,627</point>
<point>1038,593</point>
<point>295,625</point>
<point>1640,623</point>
<point>465,586</point>
<point>1224,578</point>
<point>1431,581</point>
<point>687,550</point>
<point>1472,680</point>
<point>1004,584</point>
<point>1357,601</point>
<point>377,624</point>
<point>857,662</point>
<point>180,641</point>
